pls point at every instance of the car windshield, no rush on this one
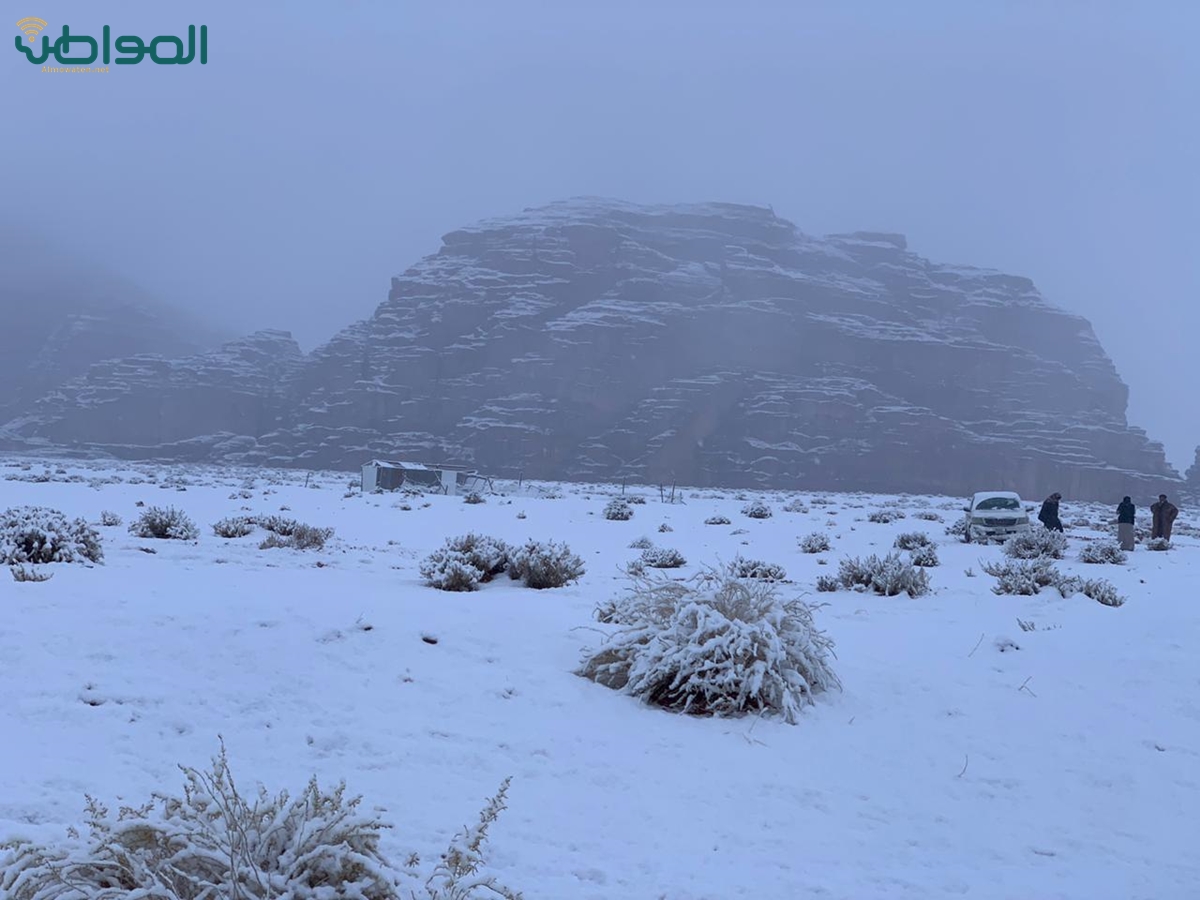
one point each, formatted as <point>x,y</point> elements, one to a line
<point>999,503</point>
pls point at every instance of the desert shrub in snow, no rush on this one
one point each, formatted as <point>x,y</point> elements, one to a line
<point>37,534</point>
<point>448,570</point>
<point>714,645</point>
<point>214,843</point>
<point>1158,544</point>
<point>1023,576</point>
<point>717,520</point>
<point>928,515</point>
<point>636,499</point>
<point>817,542</point>
<point>642,543</point>
<point>910,540</point>
<point>925,556</point>
<point>828,583</point>
<point>662,558</point>
<point>541,565</point>
<point>1102,552</point>
<point>465,561</point>
<point>300,537</point>
<point>884,516</point>
<point>618,510</point>
<point>795,505</point>
<point>109,519</point>
<point>164,523</point>
<point>280,525</point>
<point>1103,592</point>
<point>756,568</point>
<point>756,509</point>
<point>664,528</point>
<point>958,529</point>
<point>233,527</point>
<point>22,573</point>
<point>1036,543</point>
<point>474,497</point>
<point>890,576</point>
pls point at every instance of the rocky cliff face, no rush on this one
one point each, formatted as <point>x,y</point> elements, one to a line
<point>713,344</point>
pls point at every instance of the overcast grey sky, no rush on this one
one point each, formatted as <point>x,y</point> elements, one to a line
<point>327,146</point>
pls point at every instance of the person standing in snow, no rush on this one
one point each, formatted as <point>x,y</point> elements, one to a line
<point>1125,517</point>
<point>1049,513</point>
<point>1163,513</point>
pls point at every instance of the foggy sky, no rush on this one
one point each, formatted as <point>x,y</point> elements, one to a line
<point>327,146</point>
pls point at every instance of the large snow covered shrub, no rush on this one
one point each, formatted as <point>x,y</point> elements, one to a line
<point>1036,543</point>
<point>817,542</point>
<point>465,561</point>
<point>756,509</point>
<point>1103,552</point>
<point>910,540</point>
<point>662,558</point>
<point>890,575</point>
<point>215,843</point>
<point>1023,576</point>
<point>714,644</point>
<point>540,565</point>
<point>37,534</point>
<point>618,510</point>
<point>233,527</point>
<point>299,537</point>
<point>756,568</point>
<point>164,523</point>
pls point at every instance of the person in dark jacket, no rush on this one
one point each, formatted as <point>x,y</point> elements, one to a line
<point>1163,513</point>
<point>1125,516</point>
<point>1049,513</point>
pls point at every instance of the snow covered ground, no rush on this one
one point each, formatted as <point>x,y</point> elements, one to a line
<point>1067,767</point>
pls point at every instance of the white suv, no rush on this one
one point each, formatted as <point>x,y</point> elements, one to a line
<point>995,515</point>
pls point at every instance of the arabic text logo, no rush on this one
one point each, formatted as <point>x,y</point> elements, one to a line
<point>31,26</point>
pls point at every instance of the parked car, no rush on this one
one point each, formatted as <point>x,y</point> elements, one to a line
<point>995,515</point>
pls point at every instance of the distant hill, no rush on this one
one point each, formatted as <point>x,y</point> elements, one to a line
<point>712,343</point>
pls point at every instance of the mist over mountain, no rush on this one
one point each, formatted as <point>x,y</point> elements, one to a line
<point>712,344</point>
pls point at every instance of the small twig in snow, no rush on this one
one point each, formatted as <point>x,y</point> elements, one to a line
<point>976,647</point>
<point>1024,687</point>
<point>966,762</point>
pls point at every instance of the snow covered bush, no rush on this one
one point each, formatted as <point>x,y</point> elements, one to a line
<point>22,573</point>
<point>928,515</point>
<point>37,534</point>
<point>1036,543</point>
<point>1103,592</point>
<point>756,509</point>
<point>1023,576</point>
<point>665,528</point>
<point>756,568</point>
<point>1158,544</point>
<point>214,843</point>
<point>885,516</point>
<point>714,645</point>
<point>449,570</point>
<point>817,542</point>
<point>233,527</point>
<point>663,558</point>
<point>473,498</point>
<point>280,525</point>
<point>890,576</point>
<point>618,510</point>
<point>925,556</point>
<point>717,520</point>
<point>465,561</point>
<point>795,505</point>
<point>828,583</point>
<point>541,565</point>
<point>910,540</point>
<point>109,519</point>
<point>958,529</point>
<point>1103,552</point>
<point>299,537</point>
<point>164,523</point>
<point>642,543</point>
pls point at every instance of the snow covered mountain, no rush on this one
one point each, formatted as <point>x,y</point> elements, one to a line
<point>709,343</point>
